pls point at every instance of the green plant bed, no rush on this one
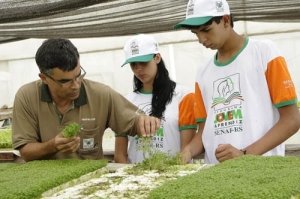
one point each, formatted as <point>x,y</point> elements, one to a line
<point>159,161</point>
<point>5,138</point>
<point>245,177</point>
<point>31,179</point>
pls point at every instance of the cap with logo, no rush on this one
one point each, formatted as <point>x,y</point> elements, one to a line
<point>140,48</point>
<point>198,12</point>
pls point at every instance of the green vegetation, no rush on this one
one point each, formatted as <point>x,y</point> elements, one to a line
<point>71,130</point>
<point>298,104</point>
<point>5,138</point>
<point>245,177</point>
<point>158,161</point>
<point>31,179</point>
<point>145,146</point>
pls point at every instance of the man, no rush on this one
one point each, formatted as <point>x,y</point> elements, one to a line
<point>245,98</point>
<point>62,96</point>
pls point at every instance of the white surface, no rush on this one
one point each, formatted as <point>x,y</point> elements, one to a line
<point>108,142</point>
<point>120,184</point>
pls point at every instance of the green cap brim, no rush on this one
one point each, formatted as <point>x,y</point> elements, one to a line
<point>195,21</point>
<point>142,58</point>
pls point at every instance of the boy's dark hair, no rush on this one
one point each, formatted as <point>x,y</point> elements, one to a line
<point>57,53</point>
<point>163,90</point>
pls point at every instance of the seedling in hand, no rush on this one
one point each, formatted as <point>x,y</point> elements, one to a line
<point>71,130</point>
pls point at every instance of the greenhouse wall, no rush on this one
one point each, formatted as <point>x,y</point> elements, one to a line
<point>102,57</point>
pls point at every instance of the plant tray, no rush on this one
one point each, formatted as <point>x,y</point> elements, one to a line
<point>9,155</point>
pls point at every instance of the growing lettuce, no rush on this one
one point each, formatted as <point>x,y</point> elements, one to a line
<point>32,179</point>
<point>71,130</point>
<point>245,177</point>
<point>5,138</point>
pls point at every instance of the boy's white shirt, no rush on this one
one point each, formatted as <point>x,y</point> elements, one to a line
<point>243,84</point>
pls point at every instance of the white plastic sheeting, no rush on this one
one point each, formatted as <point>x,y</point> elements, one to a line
<point>98,18</point>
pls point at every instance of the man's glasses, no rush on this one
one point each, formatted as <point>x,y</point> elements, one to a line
<point>68,82</point>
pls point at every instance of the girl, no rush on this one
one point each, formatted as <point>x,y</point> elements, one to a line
<point>157,95</point>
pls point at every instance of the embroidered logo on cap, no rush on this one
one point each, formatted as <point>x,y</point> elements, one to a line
<point>219,6</point>
<point>134,48</point>
<point>190,9</point>
<point>156,46</point>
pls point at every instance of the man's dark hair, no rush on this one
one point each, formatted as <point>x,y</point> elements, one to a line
<point>57,53</point>
<point>163,90</point>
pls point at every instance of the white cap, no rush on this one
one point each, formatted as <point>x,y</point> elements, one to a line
<point>198,12</point>
<point>140,48</point>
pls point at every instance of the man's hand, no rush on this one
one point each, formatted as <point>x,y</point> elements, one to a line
<point>148,125</point>
<point>66,145</point>
<point>226,152</point>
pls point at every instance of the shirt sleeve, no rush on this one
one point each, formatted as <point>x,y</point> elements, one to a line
<point>24,126</point>
<point>281,86</point>
<point>186,113</point>
<point>199,108</point>
<point>123,115</point>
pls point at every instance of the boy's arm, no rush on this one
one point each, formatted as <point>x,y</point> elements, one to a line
<point>185,137</point>
<point>195,147</point>
<point>287,125</point>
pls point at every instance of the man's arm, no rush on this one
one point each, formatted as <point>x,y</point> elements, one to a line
<point>121,145</point>
<point>287,125</point>
<point>37,150</point>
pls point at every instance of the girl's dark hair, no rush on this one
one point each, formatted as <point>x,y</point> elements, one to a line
<point>163,90</point>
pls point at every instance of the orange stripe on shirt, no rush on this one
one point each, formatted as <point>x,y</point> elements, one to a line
<point>200,111</point>
<point>280,84</point>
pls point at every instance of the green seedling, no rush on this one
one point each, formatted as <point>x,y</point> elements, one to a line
<point>245,177</point>
<point>71,130</point>
<point>159,161</point>
<point>32,179</point>
<point>146,146</point>
<point>5,138</point>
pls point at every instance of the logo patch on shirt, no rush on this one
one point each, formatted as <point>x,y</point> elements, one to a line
<point>227,91</point>
<point>227,105</point>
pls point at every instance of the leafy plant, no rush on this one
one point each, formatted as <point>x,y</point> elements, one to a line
<point>5,138</point>
<point>71,130</point>
<point>158,161</point>
<point>245,177</point>
<point>31,179</point>
<point>145,146</point>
